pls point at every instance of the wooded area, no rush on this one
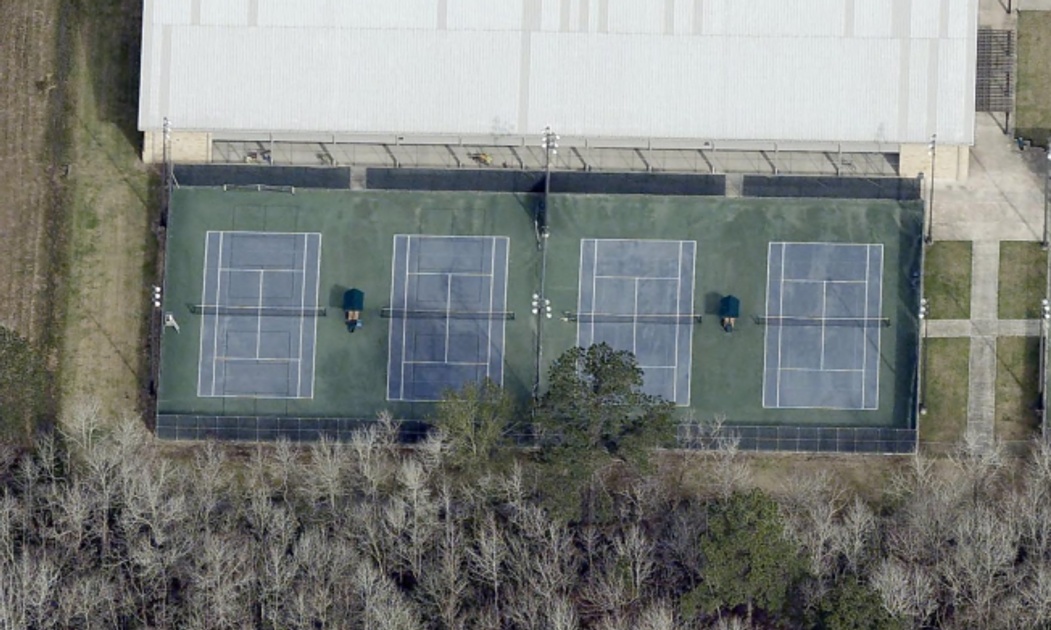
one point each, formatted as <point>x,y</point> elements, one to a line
<point>100,529</point>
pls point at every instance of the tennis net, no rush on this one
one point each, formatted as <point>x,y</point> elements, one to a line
<point>258,311</point>
<point>402,313</point>
<point>631,318</point>
<point>845,322</point>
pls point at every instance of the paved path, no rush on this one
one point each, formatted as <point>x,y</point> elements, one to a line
<point>1002,200</point>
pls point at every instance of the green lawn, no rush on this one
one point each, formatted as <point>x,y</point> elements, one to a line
<point>947,372</point>
<point>1033,100</point>
<point>947,279</point>
<point>1017,387</point>
<point>1023,269</point>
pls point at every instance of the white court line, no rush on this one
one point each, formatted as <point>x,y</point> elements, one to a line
<point>204,299</point>
<point>390,326</point>
<point>780,328</point>
<point>821,370</point>
<point>503,322</point>
<point>879,311</point>
<point>635,319</point>
<point>302,305</point>
<point>594,288</point>
<point>448,312</point>
<point>580,287</point>
<point>405,321</point>
<point>658,367</point>
<point>264,233</point>
<point>218,281</point>
<point>416,362</point>
<point>455,273</point>
<point>678,309</point>
<point>609,277</point>
<point>489,324</point>
<point>258,360</point>
<point>256,270</point>
<point>766,331</point>
<point>864,338</point>
<point>804,281</point>
<point>689,331</point>
<point>259,317</point>
<point>317,290</point>
<point>824,313</point>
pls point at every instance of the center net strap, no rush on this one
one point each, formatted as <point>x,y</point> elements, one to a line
<point>628,318</point>
<point>845,322</point>
<point>402,313</point>
<point>257,311</point>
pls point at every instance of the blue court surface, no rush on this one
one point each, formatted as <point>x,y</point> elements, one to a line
<point>444,333</point>
<point>258,327</point>
<point>637,295</point>
<point>825,354</point>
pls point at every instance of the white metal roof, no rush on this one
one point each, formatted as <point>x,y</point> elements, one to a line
<point>883,71</point>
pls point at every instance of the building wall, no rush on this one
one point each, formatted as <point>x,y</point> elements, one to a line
<point>187,147</point>
<point>952,162</point>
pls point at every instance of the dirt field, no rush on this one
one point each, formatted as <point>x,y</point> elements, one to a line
<point>32,150</point>
<point>74,209</point>
<point>112,246</point>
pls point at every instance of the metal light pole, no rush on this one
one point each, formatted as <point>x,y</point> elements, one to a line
<point>541,305</point>
<point>932,150</point>
<point>924,312</point>
<point>1047,176</point>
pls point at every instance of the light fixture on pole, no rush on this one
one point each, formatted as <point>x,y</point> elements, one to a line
<point>932,150</point>
<point>1047,176</point>
<point>924,316</point>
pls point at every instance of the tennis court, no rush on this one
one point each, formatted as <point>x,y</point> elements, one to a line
<point>633,295</point>
<point>828,293</point>
<point>257,324</point>
<point>822,344</point>
<point>445,327</point>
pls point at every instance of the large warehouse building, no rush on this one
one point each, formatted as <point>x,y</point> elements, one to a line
<point>832,76</point>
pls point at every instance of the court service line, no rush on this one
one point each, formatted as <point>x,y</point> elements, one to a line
<point>260,360</point>
<point>302,305</point>
<point>678,310</point>
<point>864,340</point>
<point>257,269</point>
<point>807,280</point>
<point>489,324</point>
<point>503,322</point>
<point>448,311</point>
<point>580,289</point>
<point>689,331</point>
<point>259,317</point>
<point>218,281</point>
<point>594,289</point>
<point>422,362</point>
<point>879,311</point>
<point>819,370</point>
<point>317,291</point>
<point>780,327</point>
<point>635,319</point>
<point>204,300</point>
<point>405,321</point>
<point>445,273</point>
<point>824,314</point>
<point>619,277</point>
<point>390,326</point>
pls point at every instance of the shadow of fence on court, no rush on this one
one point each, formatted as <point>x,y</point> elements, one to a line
<point>874,440</point>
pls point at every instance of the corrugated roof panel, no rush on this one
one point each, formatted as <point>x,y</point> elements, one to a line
<point>684,13</point>
<point>959,19</point>
<point>170,11</point>
<point>484,15</point>
<point>919,65</point>
<point>347,14</point>
<point>926,19</point>
<point>227,13</point>
<point>873,19</point>
<point>636,17</point>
